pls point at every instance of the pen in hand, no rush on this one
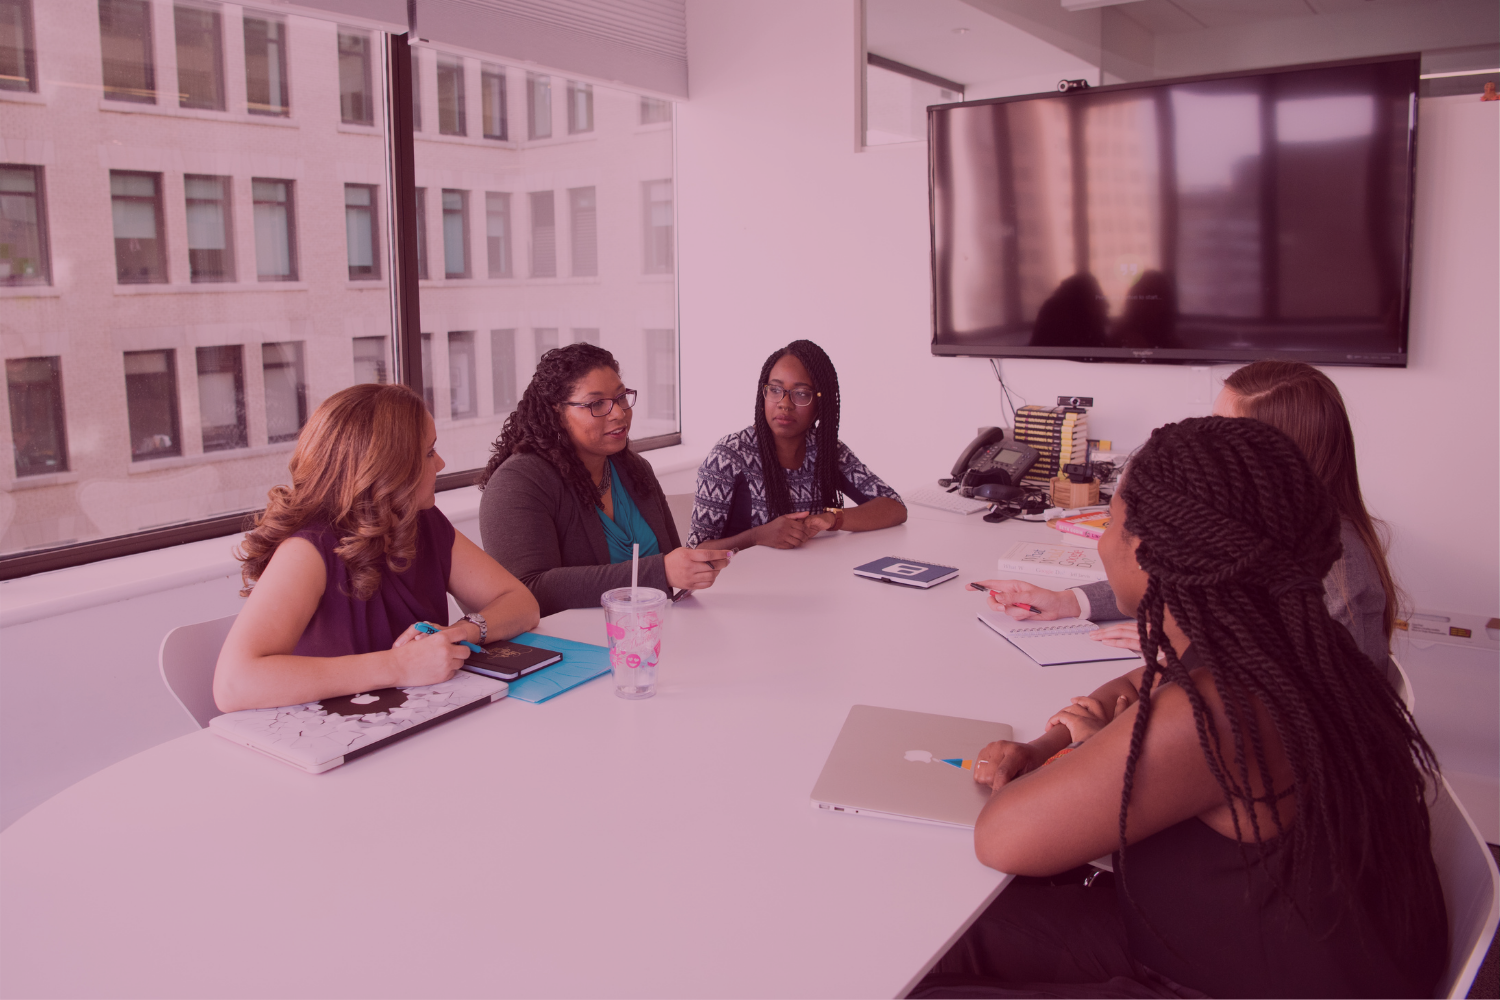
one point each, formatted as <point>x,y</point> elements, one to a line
<point>1023,607</point>
<point>427,629</point>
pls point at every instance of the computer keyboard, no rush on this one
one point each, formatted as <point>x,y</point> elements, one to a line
<point>930,496</point>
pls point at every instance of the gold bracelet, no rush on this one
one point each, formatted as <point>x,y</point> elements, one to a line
<point>838,517</point>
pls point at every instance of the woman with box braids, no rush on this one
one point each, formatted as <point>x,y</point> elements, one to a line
<point>778,481</point>
<point>1263,789</point>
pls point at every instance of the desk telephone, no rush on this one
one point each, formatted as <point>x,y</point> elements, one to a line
<point>990,459</point>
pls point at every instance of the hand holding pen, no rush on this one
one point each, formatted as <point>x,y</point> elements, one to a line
<point>421,663</point>
<point>1023,600</point>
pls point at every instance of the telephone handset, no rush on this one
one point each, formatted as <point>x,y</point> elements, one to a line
<point>989,458</point>
<point>980,454</point>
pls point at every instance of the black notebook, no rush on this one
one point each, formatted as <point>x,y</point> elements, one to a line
<point>506,660</point>
<point>907,572</point>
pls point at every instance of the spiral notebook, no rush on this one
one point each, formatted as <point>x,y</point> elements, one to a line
<point>1064,640</point>
<point>906,572</point>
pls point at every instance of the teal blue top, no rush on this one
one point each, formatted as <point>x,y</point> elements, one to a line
<point>627,527</point>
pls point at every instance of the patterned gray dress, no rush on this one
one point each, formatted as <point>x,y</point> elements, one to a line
<point>731,492</point>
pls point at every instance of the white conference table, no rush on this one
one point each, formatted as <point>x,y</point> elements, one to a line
<point>587,846</point>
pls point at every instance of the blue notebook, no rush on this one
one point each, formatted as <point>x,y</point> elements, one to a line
<point>581,662</point>
<point>907,572</point>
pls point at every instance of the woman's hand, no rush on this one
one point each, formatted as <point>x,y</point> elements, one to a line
<point>423,659</point>
<point>695,569</point>
<point>1125,635</point>
<point>788,531</point>
<point>1086,716</point>
<point>1004,761</point>
<point>1049,604</point>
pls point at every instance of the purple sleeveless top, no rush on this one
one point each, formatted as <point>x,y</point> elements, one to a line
<point>342,624</point>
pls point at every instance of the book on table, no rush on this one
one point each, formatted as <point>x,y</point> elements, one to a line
<point>906,572</point>
<point>1072,564</point>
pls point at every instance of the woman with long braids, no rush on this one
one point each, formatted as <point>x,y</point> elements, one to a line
<point>1303,403</point>
<point>777,482</point>
<point>1265,798</point>
<point>565,498</point>
<point>345,562</point>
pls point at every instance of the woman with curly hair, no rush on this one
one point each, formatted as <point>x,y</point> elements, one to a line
<point>344,562</point>
<point>565,498</point>
<point>779,481</point>
<point>1265,797</point>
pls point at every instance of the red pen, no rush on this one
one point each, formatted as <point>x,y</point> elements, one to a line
<point>1023,607</point>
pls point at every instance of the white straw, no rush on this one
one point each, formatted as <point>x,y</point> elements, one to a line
<point>635,570</point>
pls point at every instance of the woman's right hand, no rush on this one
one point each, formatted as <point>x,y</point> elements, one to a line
<point>1003,761</point>
<point>1005,595</point>
<point>423,659</point>
<point>1125,635</point>
<point>695,569</point>
<point>789,531</point>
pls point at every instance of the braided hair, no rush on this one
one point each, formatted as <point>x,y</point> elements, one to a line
<point>1236,534</point>
<point>825,382</point>
<point>536,424</point>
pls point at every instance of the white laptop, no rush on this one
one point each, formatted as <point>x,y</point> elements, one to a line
<point>906,765</point>
<point>323,734</point>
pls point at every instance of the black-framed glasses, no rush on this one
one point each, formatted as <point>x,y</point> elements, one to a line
<point>604,407</point>
<point>802,397</point>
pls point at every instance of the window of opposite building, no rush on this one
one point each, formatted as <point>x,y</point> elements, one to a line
<point>492,102</point>
<point>422,233</point>
<point>543,235</point>
<point>200,57</point>
<point>455,234</point>
<point>416,90</point>
<point>545,340</point>
<point>580,107</point>
<point>24,259</point>
<point>372,359</point>
<point>221,397</point>
<point>356,96</point>
<point>497,233</point>
<point>266,90</point>
<point>503,370</point>
<point>586,335</point>
<point>140,250</point>
<point>151,404</point>
<point>658,227</point>
<point>127,51</point>
<point>463,394</point>
<point>661,374</point>
<point>585,232</point>
<point>275,230</point>
<point>538,106</point>
<point>17,46</point>
<point>427,387</point>
<point>654,110</point>
<point>285,388</point>
<point>37,431</point>
<point>450,82</point>
<point>209,238</point>
<point>361,236</point>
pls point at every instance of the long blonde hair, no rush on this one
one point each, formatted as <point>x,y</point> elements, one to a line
<point>357,467</point>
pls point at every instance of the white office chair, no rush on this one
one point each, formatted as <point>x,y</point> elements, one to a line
<point>1471,890</point>
<point>188,654</point>
<point>1404,689</point>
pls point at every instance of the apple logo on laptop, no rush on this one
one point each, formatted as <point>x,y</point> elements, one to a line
<point>919,756</point>
<point>364,699</point>
<point>365,702</point>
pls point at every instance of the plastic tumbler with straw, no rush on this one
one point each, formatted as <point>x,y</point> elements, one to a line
<point>633,619</point>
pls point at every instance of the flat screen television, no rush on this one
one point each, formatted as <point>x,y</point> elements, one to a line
<point>1209,219</point>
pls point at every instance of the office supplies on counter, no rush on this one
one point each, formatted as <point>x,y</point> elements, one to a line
<point>1058,433</point>
<point>320,735</point>
<point>581,662</point>
<point>1063,640</point>
<point>896,764</point>
<point>907,572</point>
<point>1088,524</point>
<point>427,629</point>
<point>1070,563</point>
<point>931,496</point>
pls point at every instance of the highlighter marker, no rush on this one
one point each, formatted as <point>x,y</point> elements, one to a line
<point>427,629</point>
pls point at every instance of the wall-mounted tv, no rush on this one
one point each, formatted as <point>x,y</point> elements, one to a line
<point>1209,219</point>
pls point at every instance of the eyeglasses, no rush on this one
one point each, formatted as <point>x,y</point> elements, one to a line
<point>604,407</point>
<point>802,397</point>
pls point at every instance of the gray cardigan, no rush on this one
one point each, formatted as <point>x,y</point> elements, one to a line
<point>532,524</point>
<point>1352,591</point>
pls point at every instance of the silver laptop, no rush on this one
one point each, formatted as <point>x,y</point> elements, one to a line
<point>321,735</point>
<point>906,765</point>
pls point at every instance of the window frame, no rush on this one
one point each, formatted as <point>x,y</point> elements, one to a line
<point>215,36</point>
<point>293,270</point>
<point>496,101</point>
<point>226,219</point>
<point>38,196</point>
<point>580,107</point>
<point>462,215</point>
<point>368,89</point>
<point>372,222</point>
<point>58,413</point>
<point>283,110</point>
<point>161,227</point>
<point>145,94</point>
<point>28,47</point>
<point>450,71</point>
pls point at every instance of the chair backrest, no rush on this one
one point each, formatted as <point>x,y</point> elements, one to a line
<point>1402,683</point>
<point>681,506</point>
<point>1471,889</point>
<point>188,655</point>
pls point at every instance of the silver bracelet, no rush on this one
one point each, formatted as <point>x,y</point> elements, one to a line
<point>478,619</point>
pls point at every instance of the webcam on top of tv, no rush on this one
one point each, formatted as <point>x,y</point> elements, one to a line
<point>1068,86</point>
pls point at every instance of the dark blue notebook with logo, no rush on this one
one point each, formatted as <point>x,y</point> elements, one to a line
<point>906,572</point>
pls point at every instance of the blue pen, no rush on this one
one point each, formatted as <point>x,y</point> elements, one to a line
<point>427,629</point>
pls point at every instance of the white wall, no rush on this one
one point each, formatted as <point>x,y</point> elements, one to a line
<point>787,231</point>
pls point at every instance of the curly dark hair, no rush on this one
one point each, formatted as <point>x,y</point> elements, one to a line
<point>1236,534</point>
<point>536,424</point>
<point>826,432</point>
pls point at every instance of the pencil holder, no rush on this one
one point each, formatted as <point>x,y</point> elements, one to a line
<point>1070,494</point>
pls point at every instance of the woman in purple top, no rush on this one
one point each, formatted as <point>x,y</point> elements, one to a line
<point>343,564</point>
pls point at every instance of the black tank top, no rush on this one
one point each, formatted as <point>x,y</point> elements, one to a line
<point>1195,914</point>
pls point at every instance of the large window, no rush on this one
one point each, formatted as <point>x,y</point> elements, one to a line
<point>23,227</point>
<point>17,46</point>
<point>463,393</point>
<point>36,415</point>
<point>455,234</point>
<point>128,54</point>
<point>543,235</point>
<point>210,246</point>
<point>221,397</point>
<point>140,251</point>
<point>266,90</point>
<point>492,104</point>
<point>151,401</point>
<point>356,96</point>
<point>286,389</point>
<point>361,236</point>
<point>200,58</point>
<point>450,79</point>
<point>275,230</point>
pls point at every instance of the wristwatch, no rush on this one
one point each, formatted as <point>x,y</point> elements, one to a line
<point>477,619</point>
<point>838,517</point>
